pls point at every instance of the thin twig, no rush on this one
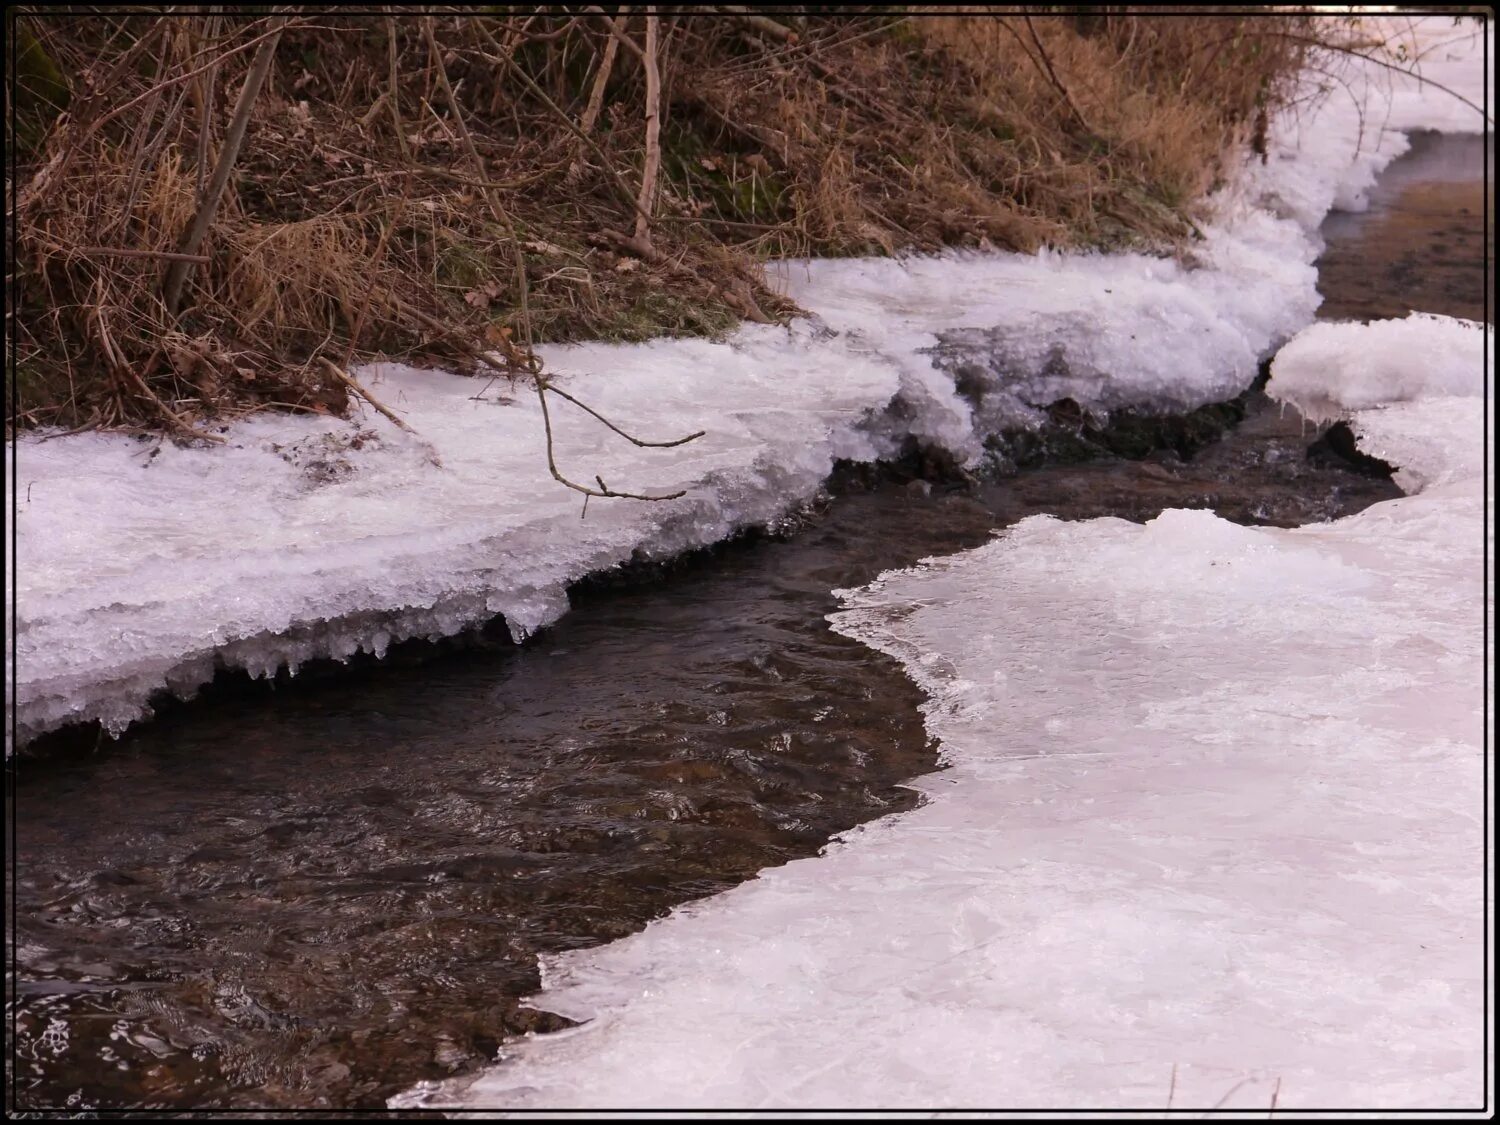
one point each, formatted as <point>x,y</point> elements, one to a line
<point>628,437</point>
<point>395,89</point>
<point>377,261</point>
<point>604,490</point>
<point>1052,74</point>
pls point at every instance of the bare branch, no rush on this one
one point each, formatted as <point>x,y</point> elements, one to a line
<point>601,77</point>
<point>603,490</point>
<point>628,437</point>
<point>617,31</point>
<point>653,132</point>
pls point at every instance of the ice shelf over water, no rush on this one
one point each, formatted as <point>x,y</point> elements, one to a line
<point>139,570</point>
<point>1211,831</point>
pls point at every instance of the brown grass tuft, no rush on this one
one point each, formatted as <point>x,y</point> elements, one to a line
<point>364,218</point>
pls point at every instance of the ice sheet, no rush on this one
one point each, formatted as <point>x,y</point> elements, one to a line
<point>145,567</point>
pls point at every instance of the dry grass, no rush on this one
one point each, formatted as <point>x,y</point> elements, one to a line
<point>364,217</point>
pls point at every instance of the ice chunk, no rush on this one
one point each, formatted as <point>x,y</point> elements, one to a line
<point>1410,388</point>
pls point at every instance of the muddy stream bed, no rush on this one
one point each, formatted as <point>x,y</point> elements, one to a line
<point>315,895</point>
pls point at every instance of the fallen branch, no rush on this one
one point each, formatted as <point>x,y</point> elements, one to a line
<point>353,384</point>
<point>761,23</point>
<point>120,367</point>
<point>125,252</point>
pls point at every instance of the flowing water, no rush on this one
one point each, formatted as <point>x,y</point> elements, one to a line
<point>317,894</point>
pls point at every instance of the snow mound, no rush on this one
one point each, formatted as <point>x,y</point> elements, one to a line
<point>1332,368</point>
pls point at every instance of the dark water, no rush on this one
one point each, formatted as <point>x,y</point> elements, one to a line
<point>316,896</point>
<point>1421,244</point>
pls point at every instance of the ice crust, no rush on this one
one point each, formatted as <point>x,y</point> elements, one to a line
<point>138,572</point>
<point>1214,801</point>
<point>314,537</point>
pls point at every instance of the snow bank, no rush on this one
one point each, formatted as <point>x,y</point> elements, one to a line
<point>143,568</point>
<point>1214,801</point>
<point>139,571</point>
<point>982,340</point>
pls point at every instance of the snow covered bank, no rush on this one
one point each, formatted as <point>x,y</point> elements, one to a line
<point>138,571</point>
<point>143,567</point>
<point>1214,803</point>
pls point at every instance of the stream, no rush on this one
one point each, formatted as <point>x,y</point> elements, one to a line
<point>316,893</point>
